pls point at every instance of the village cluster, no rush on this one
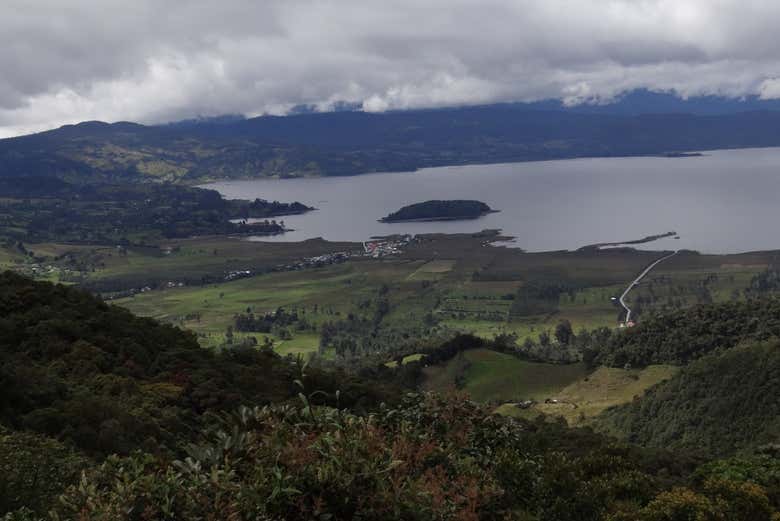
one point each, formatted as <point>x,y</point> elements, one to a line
<point>375,249</point>
<point>386,246</point>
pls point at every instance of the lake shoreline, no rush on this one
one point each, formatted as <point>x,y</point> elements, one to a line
<point>554,205</point>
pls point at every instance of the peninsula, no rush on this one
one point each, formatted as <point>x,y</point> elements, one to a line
<point>439,211</point>
<point>649,238</point>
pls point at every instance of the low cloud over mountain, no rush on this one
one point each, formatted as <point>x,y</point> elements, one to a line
<point>153,62</point>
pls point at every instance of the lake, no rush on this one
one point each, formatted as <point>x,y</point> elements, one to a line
<point>722,202</point>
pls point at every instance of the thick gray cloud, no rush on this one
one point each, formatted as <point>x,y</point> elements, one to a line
<point>153,61</point>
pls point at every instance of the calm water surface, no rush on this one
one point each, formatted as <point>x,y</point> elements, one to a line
<point>722,202</point>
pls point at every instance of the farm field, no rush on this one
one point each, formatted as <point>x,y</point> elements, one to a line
<point>438,285</point>
<point>386,313</point>
<point>319,295</point>
<point>668,287</point>
<point>113,268</point>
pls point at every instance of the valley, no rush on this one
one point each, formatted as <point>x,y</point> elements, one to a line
<point>389,261</point>
<point>381,303</point>
<point>202,310</point>
<point>376,310</point>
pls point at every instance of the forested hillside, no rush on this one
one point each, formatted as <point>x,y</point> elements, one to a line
<point>105,381</point>
<point>719,404</point>
<point>245,434</point>
<point>682,336</point>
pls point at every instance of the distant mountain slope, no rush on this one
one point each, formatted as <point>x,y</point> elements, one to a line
<point>348,143</point>
<point>643,101</point>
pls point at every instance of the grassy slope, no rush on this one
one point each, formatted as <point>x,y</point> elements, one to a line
<point>495,376</point>
<point>605,387</point>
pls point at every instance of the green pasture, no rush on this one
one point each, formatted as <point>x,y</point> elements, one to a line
<point>493,376</point>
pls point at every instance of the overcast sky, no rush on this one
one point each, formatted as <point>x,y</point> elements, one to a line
<point>63,61</point>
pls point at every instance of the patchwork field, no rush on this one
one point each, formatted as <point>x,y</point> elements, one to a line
<point>432,270</point>
<point>322,294</point>
<point>438,285</point>
<point>709,280</point>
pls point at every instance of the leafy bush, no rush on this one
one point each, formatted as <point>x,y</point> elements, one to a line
<point>430,458</point>
<point>34,470</point>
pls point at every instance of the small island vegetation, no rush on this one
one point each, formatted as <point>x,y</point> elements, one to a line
<point>437,210</point>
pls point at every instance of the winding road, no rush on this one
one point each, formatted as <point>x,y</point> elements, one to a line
<point>637,280</point>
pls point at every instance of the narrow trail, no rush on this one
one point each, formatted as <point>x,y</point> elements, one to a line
<point>637,280</point>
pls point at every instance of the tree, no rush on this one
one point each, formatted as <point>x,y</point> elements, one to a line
<point>681,504</point>
<point>563,332</point>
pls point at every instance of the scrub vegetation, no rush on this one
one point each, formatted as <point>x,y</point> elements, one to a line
<point>117,417</point>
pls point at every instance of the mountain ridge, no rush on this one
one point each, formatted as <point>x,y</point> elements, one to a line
<point>355,142</point>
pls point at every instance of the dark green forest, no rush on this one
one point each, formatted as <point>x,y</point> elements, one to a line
<point>105,381</point>
<point>719,404</point>
<point>683,336</point>
<point>105,415</point>
<point>439,210</point>
<point>667,337</point>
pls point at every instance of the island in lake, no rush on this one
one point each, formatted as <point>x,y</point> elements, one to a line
<point>439,211</point>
